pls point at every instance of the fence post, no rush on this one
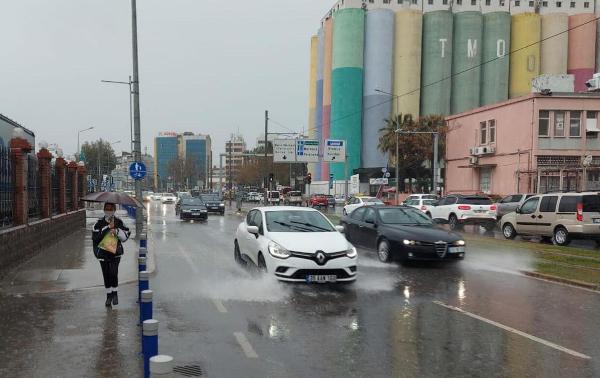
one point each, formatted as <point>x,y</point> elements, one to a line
<point>19,148</point>
<point>149,343</point>
<point>81,183</point>
<point>161,366</point>
<point>44,157</point>
<point>61,167</point>
<point>72,170</point>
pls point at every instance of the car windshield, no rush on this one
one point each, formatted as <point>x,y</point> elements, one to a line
<point>210,197</point>
<point>192,202</point>
<point>428,202</point>
<point>185,195</point>
<point>372,200</point>
<point>294,194</point>
<point>406,216</point>
<point>429,196</point>
<point>297,221</point>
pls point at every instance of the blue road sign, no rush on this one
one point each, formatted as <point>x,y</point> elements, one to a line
<point>137,170</point>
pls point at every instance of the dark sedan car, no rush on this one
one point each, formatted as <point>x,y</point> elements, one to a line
<point>402,233</point>
<point>193,208</point>
<point>214,203</point>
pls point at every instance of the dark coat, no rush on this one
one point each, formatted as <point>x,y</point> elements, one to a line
<point>101,228</point>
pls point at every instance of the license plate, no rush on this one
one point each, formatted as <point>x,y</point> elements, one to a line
<point>456,250</point>
<point>321,278</point>
<point>480,211</point>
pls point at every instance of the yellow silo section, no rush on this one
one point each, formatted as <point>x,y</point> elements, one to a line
<point>525,52</point>
<point>407,62</point>
<point>555,43</point>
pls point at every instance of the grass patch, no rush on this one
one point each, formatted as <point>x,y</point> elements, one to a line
<point>583,275</point>
<point>335,219</point>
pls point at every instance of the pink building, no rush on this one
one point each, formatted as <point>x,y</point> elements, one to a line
<point>534,143</point>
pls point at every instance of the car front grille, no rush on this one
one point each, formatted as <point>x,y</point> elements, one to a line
<point>441,248</point>
<point>302,273</point>
<point>313,256</point>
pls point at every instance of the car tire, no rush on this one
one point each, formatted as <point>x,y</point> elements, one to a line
<point>384,251</point>
<point>508,230</point>
<point>489,227</point>
<point>262,265</point>
<point>344,212</point>
<point>453,222</point>
<point>561,236</point>
<point>237,254</point>
<point>429,215</point>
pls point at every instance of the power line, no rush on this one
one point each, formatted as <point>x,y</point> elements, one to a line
<point>393,97</point>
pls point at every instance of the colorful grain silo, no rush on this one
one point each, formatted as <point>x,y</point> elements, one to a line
<point>327,64</point>
<point>525,34</point>
<point>407,62</point>
<point>555,41</point>
<point>378,73</point>
<point>495,58</point>
<point>319,97</point>
<point>466,60</point>
<point>347,85</point>
<point>436,61</point>
<point>312,95</point>
<point>582,48</point>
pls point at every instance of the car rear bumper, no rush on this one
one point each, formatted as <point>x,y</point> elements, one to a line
<point>202,216</point>
<point>477,220</point>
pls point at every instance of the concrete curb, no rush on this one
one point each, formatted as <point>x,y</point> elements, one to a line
<point>565,281</point>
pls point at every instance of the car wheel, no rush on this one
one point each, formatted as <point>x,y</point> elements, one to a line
<point>237,255</point>
<point>344,212</point>
<point>508,230</point>
<point>428,214</point>
<point>490,227</point>
<point>453,222</point>
<point>561,236</point>
<point>384,252</point>
<point>262,265</point>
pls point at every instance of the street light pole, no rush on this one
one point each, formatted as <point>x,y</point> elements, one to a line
<point>78,133</point>
<point>129,83</point>
<point>137,145</point>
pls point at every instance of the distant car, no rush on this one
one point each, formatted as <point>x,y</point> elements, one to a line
<point>193,208</point>
<point>421,197</point>
<point>213,202</point>
<point>293,198</point>
<point>147,196</point>
<point>180,197</point>
<point>168,198</point>
<point>340,199</point>
<point>156,196</point>
<point>421,204</point>
<point>359,201</point>
<point>402,233</point>
<point>273,197</point>
<point>295,244</point>
<point>458,210</point>
<point>510,203</point>
<point>330,200</point>
<point>318,200</point>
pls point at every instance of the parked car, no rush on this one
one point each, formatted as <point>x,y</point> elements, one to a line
<point>295,244</point>
<point>458,210</point>
<point>330,200</point>
<point>359,201</point>
<point>421,204</point>
<point>252,197</point>
<point>403,233</point>
<point>340,199</point>
<point>421,197</point>
<point>560,217</point>
<point>273,197</point>
<point>193,208</point>
<point>213,202</point>
<point>510,203</point>
<point>318,200</point>
<point>147,196</point>
<point>156,196</point>
<point>293,198</point>
<point>167,198</point>
<point>180,197</point>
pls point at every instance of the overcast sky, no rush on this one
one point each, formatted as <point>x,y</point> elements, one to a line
<point>207,66</point>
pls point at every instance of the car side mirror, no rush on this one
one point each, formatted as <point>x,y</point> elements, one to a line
<point>340,229</point>
<point>252,229</point>
<point>370,221</point>
<point>518,210</point>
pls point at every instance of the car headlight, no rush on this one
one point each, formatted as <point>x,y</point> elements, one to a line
<point>408,242</point>
<point>222,204</point>
<point>351,252</point>
<point>278,251</point>
<point>460,242</point>
<point>186,211</point>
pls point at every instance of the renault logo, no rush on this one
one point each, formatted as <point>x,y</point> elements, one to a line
<point>321,258</point>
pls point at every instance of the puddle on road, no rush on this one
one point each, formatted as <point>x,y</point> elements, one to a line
<point>505,261</point>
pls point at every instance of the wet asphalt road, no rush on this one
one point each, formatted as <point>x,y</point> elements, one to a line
<point>395,321</point>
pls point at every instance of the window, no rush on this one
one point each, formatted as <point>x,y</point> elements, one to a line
<point>572,4</point>
<point>591,203</point>
<point>544,3</point>
<point>492,130</point>
<point>517,3</point>
<point>559,124</point>
<point>544,122</point>
<point>485,180</point>
<point>586,4</point>
<point>430,2</point>
<point>548,204</point>
<point>483,133</point>
<point>558,4</point>
<point>531,4</point>
<point>358,213</point>
<point>568,204</point>
<point>488,2</point>
<point>399,1</point>
<point>473,2</point>
<point>530,206</point>
<point>458,2</point>
<point>575,124</point>
<point>445,2</point>
<point>414,1</point>
<point>370,216</point>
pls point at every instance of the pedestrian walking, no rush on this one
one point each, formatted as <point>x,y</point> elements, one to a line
<point>108,235</point>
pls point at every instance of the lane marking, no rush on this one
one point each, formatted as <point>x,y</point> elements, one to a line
<point>516,331</point>
<point>219,305</point>
<point>245,345</point>
<point>188,258</point>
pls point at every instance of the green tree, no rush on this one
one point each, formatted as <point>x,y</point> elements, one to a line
<point>184,173</point>
<point>100,158</point>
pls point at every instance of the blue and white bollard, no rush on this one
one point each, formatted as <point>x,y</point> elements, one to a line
<point>161,366</point>
<point>143,252</point>
<point>141,264</point>
<point>143,240</point>
<point>149,343</point>
<point>146,306</point>
<point>143,283</point>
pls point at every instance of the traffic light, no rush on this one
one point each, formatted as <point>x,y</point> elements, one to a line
<point>308,178</point>
<point>271,177</point>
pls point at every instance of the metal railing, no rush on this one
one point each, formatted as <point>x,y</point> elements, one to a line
<point>54,191</point>
<point>33,188</point>
<point>69,191</point>
<point>6,187</point>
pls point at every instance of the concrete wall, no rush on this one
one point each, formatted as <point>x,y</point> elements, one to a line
<point>20,243</point>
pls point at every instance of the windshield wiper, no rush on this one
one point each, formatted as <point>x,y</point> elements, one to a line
<point>312,225</point>
<point>292,226</point>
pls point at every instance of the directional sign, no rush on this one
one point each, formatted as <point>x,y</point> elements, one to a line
<point>137,170</point>
<point>284,150</point>
<point>378,181</point>
<point>335,151</point>
<point>307,151</point>
<point>354,184</point>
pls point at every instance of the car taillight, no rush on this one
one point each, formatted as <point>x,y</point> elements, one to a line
<point>464,207</point>
<point>423,207</point>
<point>580,212</point>
<point>493,208</point>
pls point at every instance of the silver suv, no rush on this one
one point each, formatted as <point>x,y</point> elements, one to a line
<point>559,216</point>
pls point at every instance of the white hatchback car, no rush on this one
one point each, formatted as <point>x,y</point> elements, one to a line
<point>358,201</point>
<point>295,244</point>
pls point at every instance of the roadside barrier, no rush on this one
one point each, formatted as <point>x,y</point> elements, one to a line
<point>149,343</point>
<point>146,306</point>
<point>141,264</point>
<point>161,366</point>
<point>143,283</point>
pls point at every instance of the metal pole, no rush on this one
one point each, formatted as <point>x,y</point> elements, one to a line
<point>518,171</point>
<point>436,140</point>
<point>397,166</point>
<point>266,176</point>
<point>346,177</point>
<point>137,145</point>
<point>230,169</point>
<point>130,116</point>
<point>220,174</point>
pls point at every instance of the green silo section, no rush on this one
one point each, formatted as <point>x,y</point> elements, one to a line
<point>347,85</point>
<point>466,61</point>
<point>436,63</point>
<point>495,57</point>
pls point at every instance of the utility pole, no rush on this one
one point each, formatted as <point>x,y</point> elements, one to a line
<point>266,175</point>
<point>397,167</point>
<point>230,169</point>
<point>137,144</point>
<point>436,141</point>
